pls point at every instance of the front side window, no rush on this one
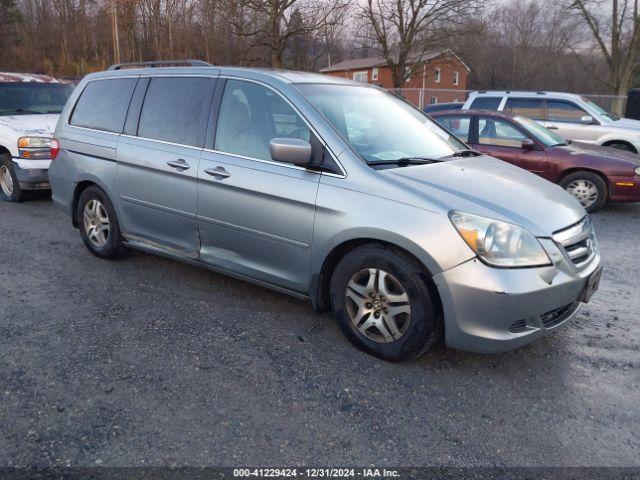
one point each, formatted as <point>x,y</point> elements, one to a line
<point>485,103</point>
<point>176,110</point>
<point>103,104</point>
<point>30,98</point>
<point>562,111</point>
<point>379,126</point>
<point>251,115</point>
<point>456,124</point>
<point>528,107</point>
<point>497,132</point>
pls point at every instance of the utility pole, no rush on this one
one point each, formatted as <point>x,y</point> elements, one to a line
<point>116,35</point>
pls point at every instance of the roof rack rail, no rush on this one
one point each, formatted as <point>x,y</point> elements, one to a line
<point>161,63</point>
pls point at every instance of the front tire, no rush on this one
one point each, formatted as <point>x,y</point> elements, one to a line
<point>10,190</point>
<point>587,187</point>
<point>382,304</point>
<point>98,224</point>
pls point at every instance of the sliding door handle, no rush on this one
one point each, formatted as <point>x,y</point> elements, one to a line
<point>219,172</point>
<point>179,164</point>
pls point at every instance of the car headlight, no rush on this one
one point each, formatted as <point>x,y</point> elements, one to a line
<point>35,148</point>
<point>637,170</point>
<point>499,244</point>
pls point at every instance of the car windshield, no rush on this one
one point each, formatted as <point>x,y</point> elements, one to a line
<point>542,134</point>
<point>600,110</point>
<point>25,98</point>
<point>380,127</point>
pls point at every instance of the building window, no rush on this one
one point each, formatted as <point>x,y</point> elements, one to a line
<point>361,76</point>
<point>374,74</point>
<point>433,100</point>
<point>456,78</point>
<point>437,75</point>
<point>407,74</point>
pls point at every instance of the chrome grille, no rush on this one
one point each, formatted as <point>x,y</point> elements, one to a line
<point>578,242</point>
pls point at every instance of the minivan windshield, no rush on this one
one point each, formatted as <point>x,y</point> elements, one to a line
<point>30,98</point>
<point>542,134</point>
<point>379,126</point>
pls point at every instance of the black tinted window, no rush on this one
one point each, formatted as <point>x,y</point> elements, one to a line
<point>103,104</point>
<point>486,103</point>
<point>176,110</point>
<point>527,107</point>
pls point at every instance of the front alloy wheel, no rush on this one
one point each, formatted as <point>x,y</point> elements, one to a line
<point>6,181</point>
<point>378,305</point>
<point>585,191</point>
<point>587,187</point>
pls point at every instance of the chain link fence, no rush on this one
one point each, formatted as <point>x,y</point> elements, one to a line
<point>421,97</point>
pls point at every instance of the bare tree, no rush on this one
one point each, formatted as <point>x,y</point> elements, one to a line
<point>617,36</point>
<point>272,24</point>
<point>402,29</point>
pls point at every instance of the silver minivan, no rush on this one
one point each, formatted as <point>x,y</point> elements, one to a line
<point>328,190</point>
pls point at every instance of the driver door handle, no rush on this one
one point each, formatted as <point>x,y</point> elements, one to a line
<point>552,127</point>
<point>180,164</point>
<point>219,172</point>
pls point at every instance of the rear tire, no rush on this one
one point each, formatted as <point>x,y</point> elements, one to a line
<point>383,305</point>
<point>10,190</point>
<point>622,146</point>
<point>587,187</point>
<point>98,224</point>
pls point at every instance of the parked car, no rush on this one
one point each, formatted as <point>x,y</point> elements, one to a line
<point>328,190</point>
<point>29,109</point>
<point>441,107</point>
<point>592,174</point>
<point>571,116</point>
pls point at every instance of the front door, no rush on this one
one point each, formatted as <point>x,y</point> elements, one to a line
<point>157,168</point>
<point>255,215</point>
<point>565,118</point>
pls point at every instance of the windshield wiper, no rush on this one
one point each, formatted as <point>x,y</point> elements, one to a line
<point>21,110</point>
<point>405,161</point>
<point>466,153</point>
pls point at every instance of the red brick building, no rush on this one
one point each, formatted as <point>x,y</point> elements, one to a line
<point>439,76</point>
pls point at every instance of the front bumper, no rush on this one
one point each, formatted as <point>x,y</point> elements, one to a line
<point>32,174</point>
<point>490,310</point>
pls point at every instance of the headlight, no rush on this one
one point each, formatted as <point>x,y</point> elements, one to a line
<point>499,244</point>
<point>34,148</point>
<point>637,170</point>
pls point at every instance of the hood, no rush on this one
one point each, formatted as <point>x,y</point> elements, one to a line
<point>614,156</point>
<point>492,188</point>
<point>36,125</point>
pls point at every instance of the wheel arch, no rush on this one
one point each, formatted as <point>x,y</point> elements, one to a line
<point>321,283</point>
<point>80,187</point>
<point>608,143</point>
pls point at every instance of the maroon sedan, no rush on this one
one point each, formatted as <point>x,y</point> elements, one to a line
<point>593,174</point>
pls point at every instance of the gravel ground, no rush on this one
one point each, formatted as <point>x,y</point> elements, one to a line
<point>146,361</point>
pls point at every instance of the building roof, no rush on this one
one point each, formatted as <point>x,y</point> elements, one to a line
<point>26,77</point>
<point>370,62</point>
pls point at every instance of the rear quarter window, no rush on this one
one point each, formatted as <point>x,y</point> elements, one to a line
<point>103,104</point>
<point>485,103</point>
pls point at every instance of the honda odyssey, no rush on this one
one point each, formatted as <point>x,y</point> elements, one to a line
<point>328,190</point>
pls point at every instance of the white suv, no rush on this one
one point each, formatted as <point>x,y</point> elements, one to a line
<point>29,109</point>
<point>572,116</point>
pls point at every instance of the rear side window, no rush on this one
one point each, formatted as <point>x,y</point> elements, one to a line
<point>527,107</point>
<point>456,124</point>
<point>485,103</point>
<point>176,110</point>
<point>103,104</point>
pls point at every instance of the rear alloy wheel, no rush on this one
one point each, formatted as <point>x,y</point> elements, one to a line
<point>99,226</point>
<point>382,303</point>
<point>10,190</point>
<point>587,187</point>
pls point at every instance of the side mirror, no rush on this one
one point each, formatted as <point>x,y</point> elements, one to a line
<point>290,150</point>
<point>528,144</point>
<point>586,119</point>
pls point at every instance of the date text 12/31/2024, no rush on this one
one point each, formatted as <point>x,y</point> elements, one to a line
<point>315,473</point>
